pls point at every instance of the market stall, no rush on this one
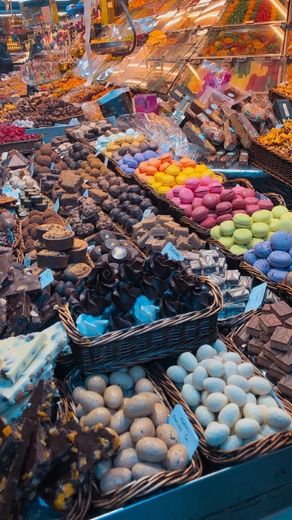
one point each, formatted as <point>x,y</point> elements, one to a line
<point>145,274</point>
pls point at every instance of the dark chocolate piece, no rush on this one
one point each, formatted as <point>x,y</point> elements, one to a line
<point>282,310</point>
<point>263,361</point>
<point>253,328</point>
<point>285,385</point>
<point>268,323</point>
<point>275,372</point>
<point>284,361</point>
<point>282,339</point>
<point>255,346</point>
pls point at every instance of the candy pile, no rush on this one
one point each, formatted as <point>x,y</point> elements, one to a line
<point>279,139</point>
<point>244,232</point>
<point>209,203</point>
<point>268,338</point>
<point>164,173</point>
<point>233,405</point>
<point>127,402</point>
<point>9,133</point>
<point>273,257</point>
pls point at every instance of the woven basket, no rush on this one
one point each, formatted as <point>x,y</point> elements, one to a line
<point>234,260</point>
<point>275,164</point>
<point>21,146</point>
<point>229,325</point>
<point>143,343</point>
<point>283,290</point>
<point>261,447</point>
<point>146,485</point>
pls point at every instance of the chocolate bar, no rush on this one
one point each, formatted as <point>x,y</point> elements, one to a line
<point>285,385</point>
<point>253,327</point>
<point>18,311</point>
<point>255,346</point>
<point>284,361</point>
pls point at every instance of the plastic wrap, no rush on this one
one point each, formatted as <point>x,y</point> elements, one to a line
<point>161,130</point>
<point>91,111</point>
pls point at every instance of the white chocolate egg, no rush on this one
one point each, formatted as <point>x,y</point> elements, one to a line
<point>205,352</point>
<point>245,370</point>
<point>216,434</point>
<point>188,361</point>
<point>277,418</point>
<point>235,395</point>
<point>239,381</point>
<point>204,416</point>
<point>253,411</point>
<point>260,386</point>
<point>246,428</point>
<point>216,401</point>
<point>229,415</point>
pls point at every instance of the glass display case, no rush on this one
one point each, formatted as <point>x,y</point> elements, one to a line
<point>245,41</point>
<point>258,11</point>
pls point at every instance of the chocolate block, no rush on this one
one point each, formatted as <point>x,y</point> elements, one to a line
<point>241,338</point>
<point>18,312</point>
<point>285,385</point>
<point>275,372</point>
<point>263,361</point>
<point>254,346</point>
<point>288,323</point>
<point>282,339</point>
<point>284,361</point>
<point>266,308</point>
<point>282,310</point>
<point>253,327</point>
<point>268,323</point>
<point>264,337</point>
<point>269,352</point>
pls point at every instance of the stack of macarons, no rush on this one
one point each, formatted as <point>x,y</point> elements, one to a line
<point>273,257</point>
<point>243,232</point>
<point>164,174</point>
<point>208,202</point>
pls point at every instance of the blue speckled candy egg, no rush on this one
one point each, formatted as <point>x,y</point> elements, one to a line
<point>281,241</point>
<point>262,265</point>
<point>279,259</point>
<point>250,257</point>
<point>128,170</point>
<point>263,249</point>
<point>139,157</point>
<point>276,275</point>
<point>149,154</point>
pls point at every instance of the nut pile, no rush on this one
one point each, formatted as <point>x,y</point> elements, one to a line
<point>127,402</point>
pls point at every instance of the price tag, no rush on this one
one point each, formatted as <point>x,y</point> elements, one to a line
<point>147,213</point>
<point>106,162</point>
<point>10,192</point>
<point>46,277</point>
<point>31,169</point>
<point>172,253</point>
<point>85,194</point>
<point>4,156</point>
<point>27,261</point>
<point>256,297</point>
<point>186,433</point>
<point>52,166</point>
<point>69,227</point>
<point>57,205</point>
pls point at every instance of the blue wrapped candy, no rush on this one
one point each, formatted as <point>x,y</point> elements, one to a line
<point>144,310</point>
<point>91,326</point>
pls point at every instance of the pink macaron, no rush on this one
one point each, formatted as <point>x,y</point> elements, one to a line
<point>251,209</point>
<point>223,218</point>
<point>249,192</point>
<point>251,201</point>
<point>186,195</point>
<point>192,183</point>
<point>199,214</point>
<point>210,200</point>
<point>215,187</point>
<point>196,202</point>
<point>205,181</point>
<point>176,191</point>
<point>223,207</point>
<point>201,191</point>
<point>265,204</point>
<point>176,201</point>
<point>208,222</point>
<point>188,210</point>
<point>239,204</point>
<point>227,195</point>
<point>239,190</point>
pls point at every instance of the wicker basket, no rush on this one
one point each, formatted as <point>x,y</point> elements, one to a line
<point>146,485</point>
<point>261,447</point>
<point>234,260</point>
<point>283,290</point>
<point>20,146</point>
<point>274,163</point>
<point>143,343</point>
